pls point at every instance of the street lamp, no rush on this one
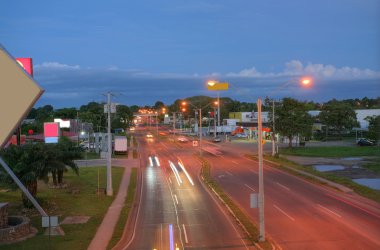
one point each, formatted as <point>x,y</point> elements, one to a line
<point>305,82</point>
<point>200,121</point>
<point>217,86</point>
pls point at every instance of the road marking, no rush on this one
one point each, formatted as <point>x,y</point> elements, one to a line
<point>176,200</point>
<point>283,186</point>
<point>229,173</point>
<point>354,205</point>
<point>282,211</point>
<point>184,232</point>
<point>170,180</point>
<point>328,210</point>
<point>249,187</point>
<point>164,145</point>
<point>253,171</point>
<point>235,162</point>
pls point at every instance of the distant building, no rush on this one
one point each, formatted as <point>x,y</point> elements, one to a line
<point>361,114</point>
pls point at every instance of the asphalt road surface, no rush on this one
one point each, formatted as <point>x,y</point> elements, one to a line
<point>176,210</point>
<point>298,213</point>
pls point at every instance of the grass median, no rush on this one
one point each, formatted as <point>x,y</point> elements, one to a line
<point>128,203</point>
<point>78,199</point>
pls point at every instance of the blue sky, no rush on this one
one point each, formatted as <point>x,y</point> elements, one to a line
<point>164,50</point>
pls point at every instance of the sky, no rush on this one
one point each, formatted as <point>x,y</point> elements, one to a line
<point>144,51</point>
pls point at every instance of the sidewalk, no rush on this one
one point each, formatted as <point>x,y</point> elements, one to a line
<point>106,228</point>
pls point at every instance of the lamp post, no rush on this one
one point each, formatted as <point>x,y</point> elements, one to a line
<point>200,122</point>
<point>217,86</point>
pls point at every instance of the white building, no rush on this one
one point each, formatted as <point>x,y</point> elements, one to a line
<point>361,114</point>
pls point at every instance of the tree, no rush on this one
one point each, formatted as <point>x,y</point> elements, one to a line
<point>28,163</point>
<point>292,119</point>
<point>373,127</point>
<point>123,117</point>
<point>32,162</point>
<point>338,116</point>
<point>63,155</point>
<point>66,113</point>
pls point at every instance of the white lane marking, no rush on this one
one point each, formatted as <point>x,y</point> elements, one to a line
<point>176,200</point>
<point>328,210</point>
<point>253,171</point>
<point>235,162</point>
<point>184,232</point>
<point>283,186</point>
<point>282,211</point>
<point>249,187</point>
<point>229,173</point>
<point>164,145</point>
<point>170,180</point>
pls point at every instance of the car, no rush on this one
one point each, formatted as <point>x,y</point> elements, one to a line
<point>365,142</point>
<point>242,135</point>
<point>182,139</point>
<point>216,139</point>
<point>149,136</point>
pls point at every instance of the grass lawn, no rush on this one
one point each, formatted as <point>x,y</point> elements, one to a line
<point>338,151</point>
<point>90,155</point>
<point>63,203</point>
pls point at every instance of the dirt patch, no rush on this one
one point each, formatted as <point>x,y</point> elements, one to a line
<point>75,220</point>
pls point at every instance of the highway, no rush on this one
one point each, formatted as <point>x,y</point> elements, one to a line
<point>176,211</point>
<point>298,213</point>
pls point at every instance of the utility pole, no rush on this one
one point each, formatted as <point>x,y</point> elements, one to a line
<point>261,176</point>
<point>273,133</point>
<point>173,123</point>
<point>157,124</point>
<point>200,132</point>
<point>218,110</point>
<point>109,173</point>
<point>215,122</point>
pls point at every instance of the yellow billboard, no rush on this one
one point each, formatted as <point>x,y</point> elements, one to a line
<point>217,85</point>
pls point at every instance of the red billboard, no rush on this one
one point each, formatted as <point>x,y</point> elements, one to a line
<point>27,64</point>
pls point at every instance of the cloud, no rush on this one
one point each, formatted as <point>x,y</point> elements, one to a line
<point>297,68</point>
<point>56,65</point>
<point>73,85</point>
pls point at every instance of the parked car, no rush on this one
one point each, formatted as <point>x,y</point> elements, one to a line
<point>242,135</point>
<point>365,142</point>
<point>216,139</point>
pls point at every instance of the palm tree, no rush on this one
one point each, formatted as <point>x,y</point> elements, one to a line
<point>62,155</point>
<point>28,164</point>
<point>32,162</point>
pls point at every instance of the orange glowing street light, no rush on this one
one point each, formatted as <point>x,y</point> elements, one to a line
<point>306,81</point>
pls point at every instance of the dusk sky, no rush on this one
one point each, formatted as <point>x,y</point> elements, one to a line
<point>144,51</point>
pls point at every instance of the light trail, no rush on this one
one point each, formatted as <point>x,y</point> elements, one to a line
<point>178,178</point>
<point>150,161</point>
<point>186,173</point>
<point>171,237</point>
<point>157,161</point>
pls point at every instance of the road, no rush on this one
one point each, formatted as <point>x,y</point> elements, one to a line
<point>298,213</point>
<point>176,210</point>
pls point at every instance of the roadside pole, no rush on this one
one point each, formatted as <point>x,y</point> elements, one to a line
<point>200,132</point>
<point>273,134</point>
<point>109,174</point>
<point>261,177</point>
